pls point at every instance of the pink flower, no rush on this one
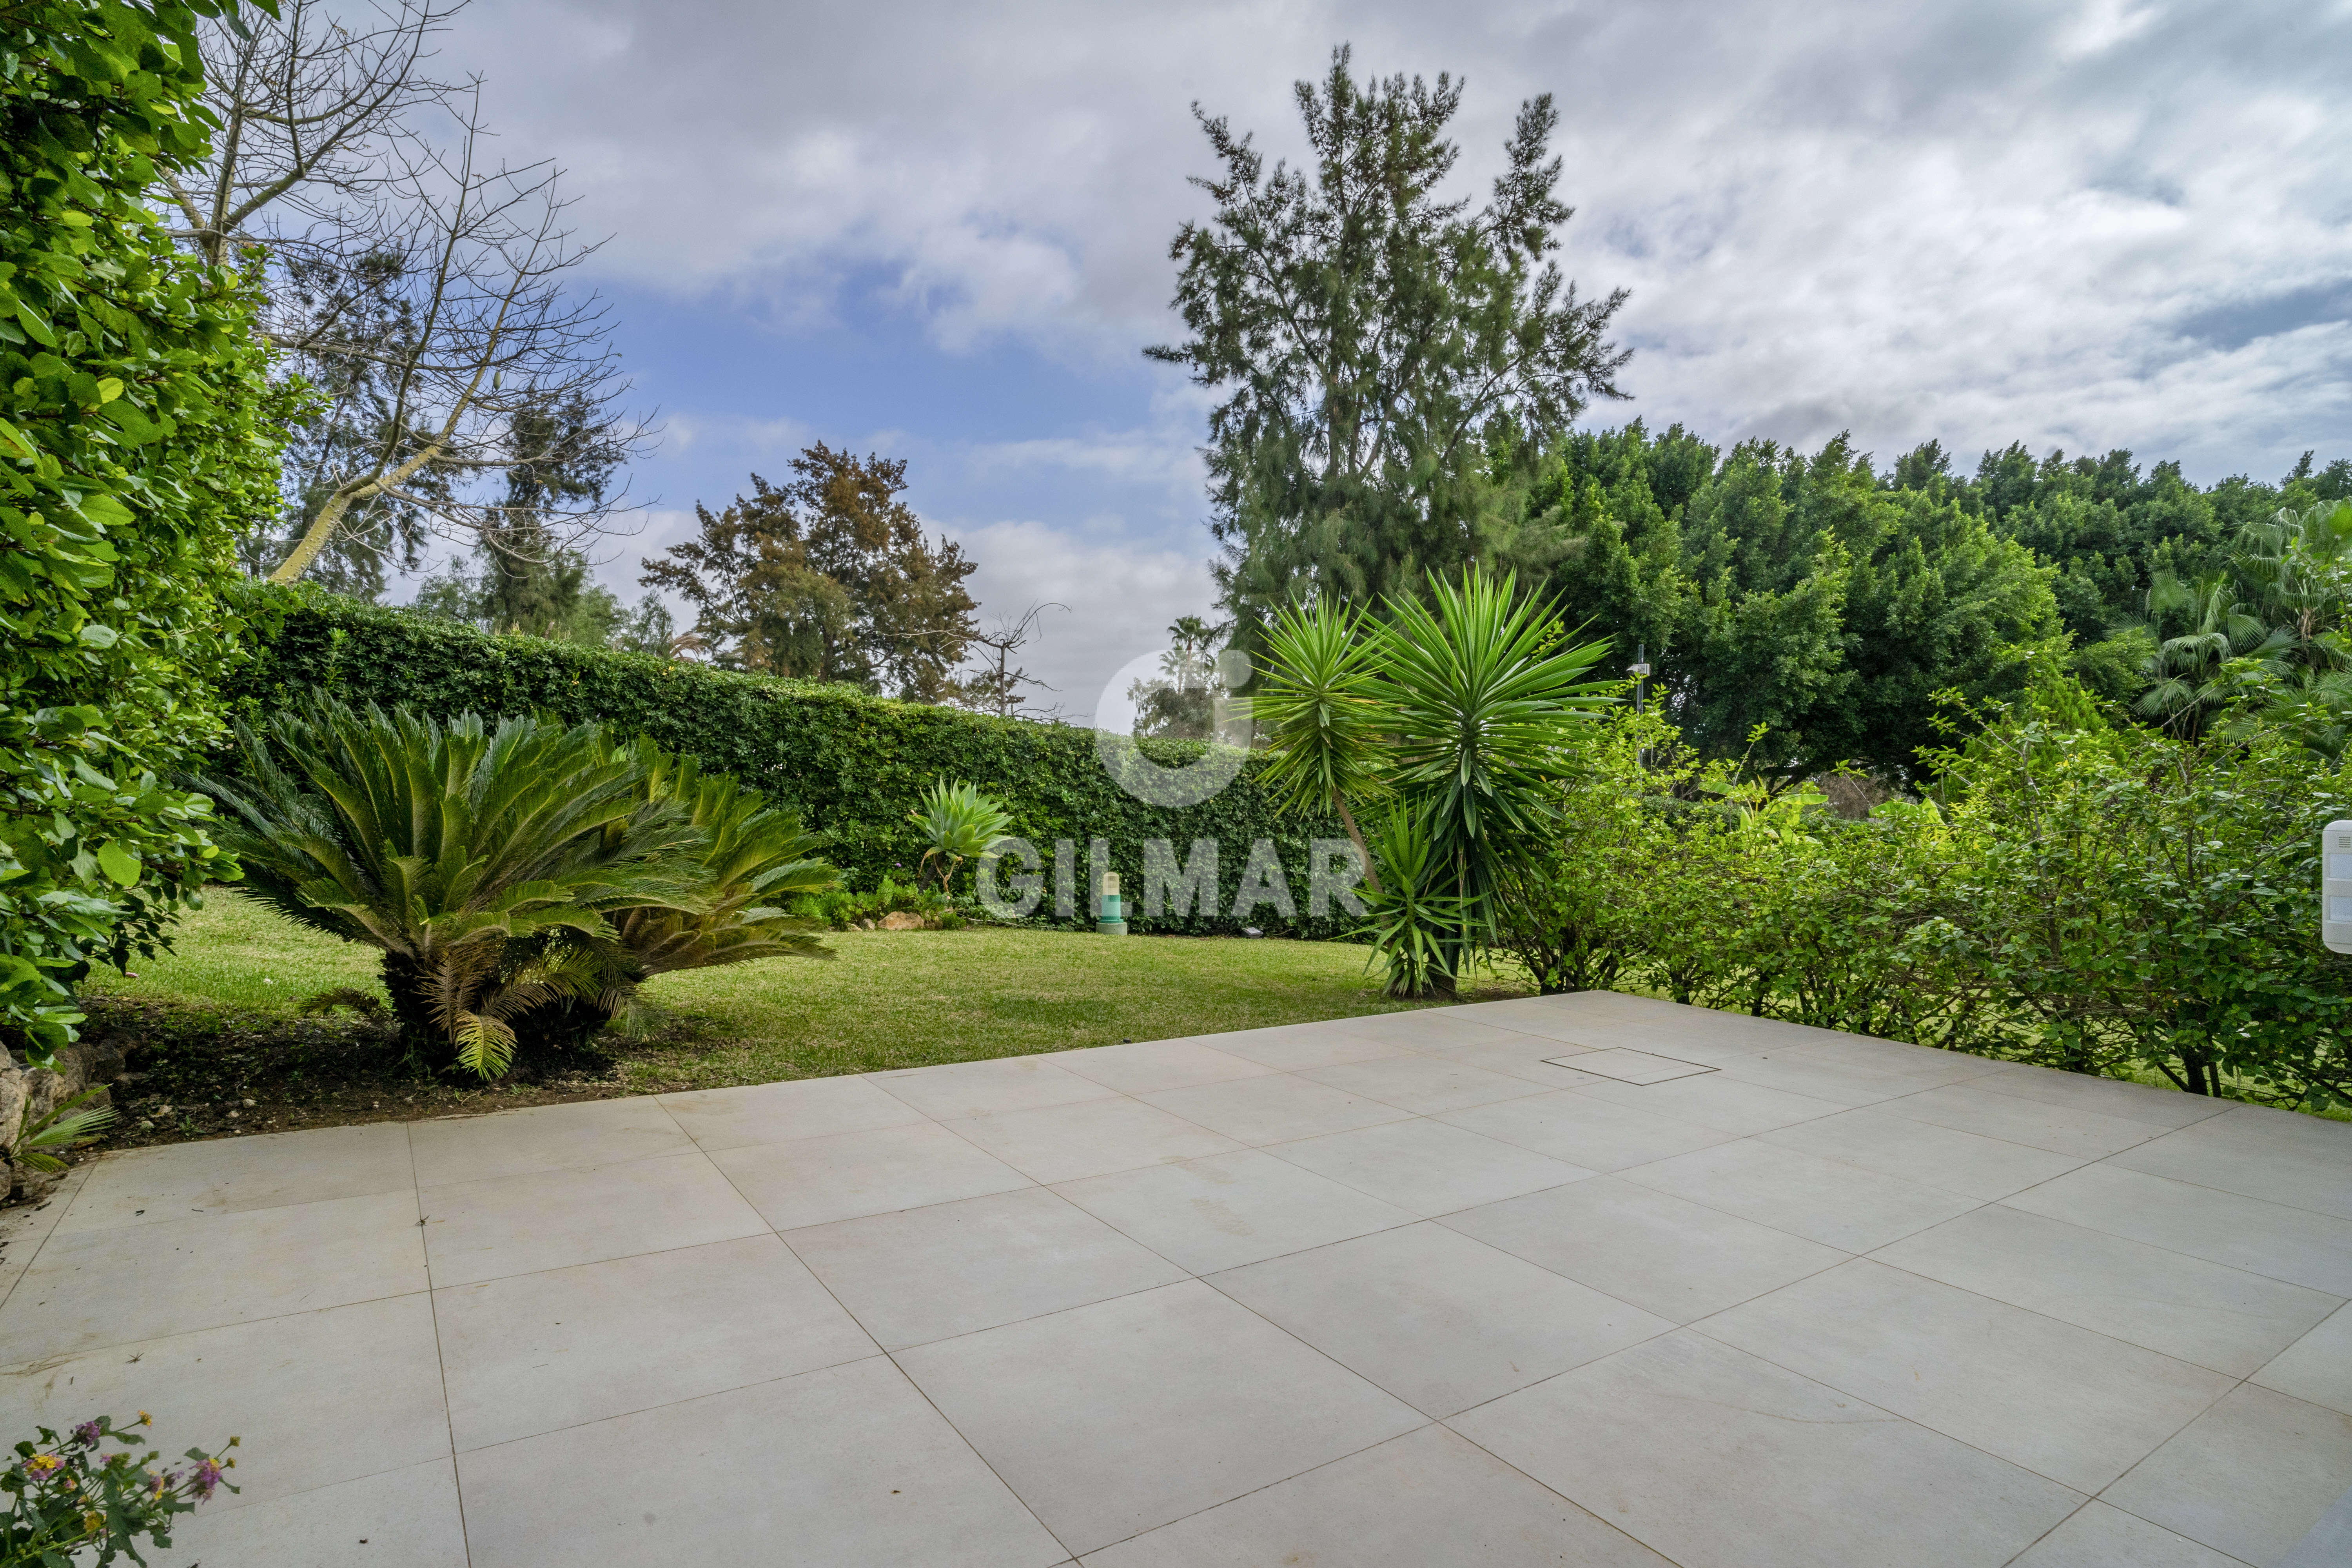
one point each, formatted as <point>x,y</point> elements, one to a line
<point>207,1478</point>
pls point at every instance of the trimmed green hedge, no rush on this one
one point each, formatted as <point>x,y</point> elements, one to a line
<point>853,764</point>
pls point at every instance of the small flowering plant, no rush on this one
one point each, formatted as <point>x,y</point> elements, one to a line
<point>91,1489</point>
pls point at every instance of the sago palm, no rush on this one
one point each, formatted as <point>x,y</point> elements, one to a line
<point>483,864</point>
<point>755,859</point>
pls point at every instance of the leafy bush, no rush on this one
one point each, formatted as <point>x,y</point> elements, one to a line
<point>853,765</point>
<point>842,908</point>
<point>521,883</point>
<point>71,1494</point>
<point>137,430</point>
<point>2081,892</point>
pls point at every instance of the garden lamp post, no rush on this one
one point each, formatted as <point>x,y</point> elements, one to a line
<point>1640,671</point>
<point>1110,920</point>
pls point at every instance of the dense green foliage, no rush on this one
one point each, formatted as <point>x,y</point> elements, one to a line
<point>1374,347</point>
<point>2080,892</point>
<point>1830,601</point>
<point>853,765</point>
<point>1462,709</point>
<point>830,577</point>
<point>521,883</point>
<point>136,431</point>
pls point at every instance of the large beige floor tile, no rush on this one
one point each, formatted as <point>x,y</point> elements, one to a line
<point>1089,1138</point>
<point>2068,1403</point>
<point>2318,1366</point>
<point>2250,1477</point>
<point>224,1175</point>
<point>1231,1209</point>
<point>543,1138</point>
<point>1424,1085</point>
<point>779,1112</point>
<point>1836,1205</point>
<point>1431,1029</point>
<point>1440,1321</point>
<point>1597,1134</point>
<point>316,1398</point>
<point>1144,1066</point>
<point>989,1087</point>
<point>2062,1130</point>
<point>1825,1073</point>
<point>1428,1166</point>
<point>1119,1417</point>
<point>1544,1018</point>
<point>848,1465</point>
<point>2097,1536</point>
<point>2254,1158</point>
<point>1664,1254</point>
<point>531,1352</point>
<point>1715,1101</point>
<point>1528,1061</point>
<point>1716,1459</point>
<point>2293,1244</point>
<point>401,1519</point>
<point>2146,1102</point>
<point>930,1273</point>
<point>1420,1501</point>
<point>1939,1157</point>
<point>24,1228</point>
<point>1275,1108</point>
<point>815,1181</point>
<point>142,1282</point>
<point>2207,1314</point>
<point>554,1219</point>
<point>1290,1047</point>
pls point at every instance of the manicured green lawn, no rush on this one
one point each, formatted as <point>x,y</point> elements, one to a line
<point>888,999</point>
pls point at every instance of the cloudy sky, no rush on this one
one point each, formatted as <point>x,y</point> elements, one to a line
<point>939,231</point>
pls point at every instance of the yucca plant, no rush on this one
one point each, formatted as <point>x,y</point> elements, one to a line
<point>958,824</point>
<point>1483,691</point>
<point>1415,921</point>
<point>486,865</point>
<point>1319,708</point>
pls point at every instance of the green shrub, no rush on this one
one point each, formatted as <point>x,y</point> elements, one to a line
<point>853,765</point>
<point>2086,893</point>
<point>137,430</point>
<point>70,1495</point>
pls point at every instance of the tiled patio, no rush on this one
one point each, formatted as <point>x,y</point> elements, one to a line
<point>1406,1291</point>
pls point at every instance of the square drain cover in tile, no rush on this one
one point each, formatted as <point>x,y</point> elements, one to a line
<point>1629,1066</point>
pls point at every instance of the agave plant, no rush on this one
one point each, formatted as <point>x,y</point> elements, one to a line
<point>487,866</point>
<point>1415,921</point>
<point>958,824</point>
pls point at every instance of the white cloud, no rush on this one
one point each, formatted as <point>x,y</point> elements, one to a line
<point>1120,598</point>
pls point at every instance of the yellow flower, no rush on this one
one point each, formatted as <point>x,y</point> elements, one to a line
<point>42,1464</point>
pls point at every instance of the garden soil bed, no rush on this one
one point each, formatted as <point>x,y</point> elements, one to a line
<point>192,1075</point>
